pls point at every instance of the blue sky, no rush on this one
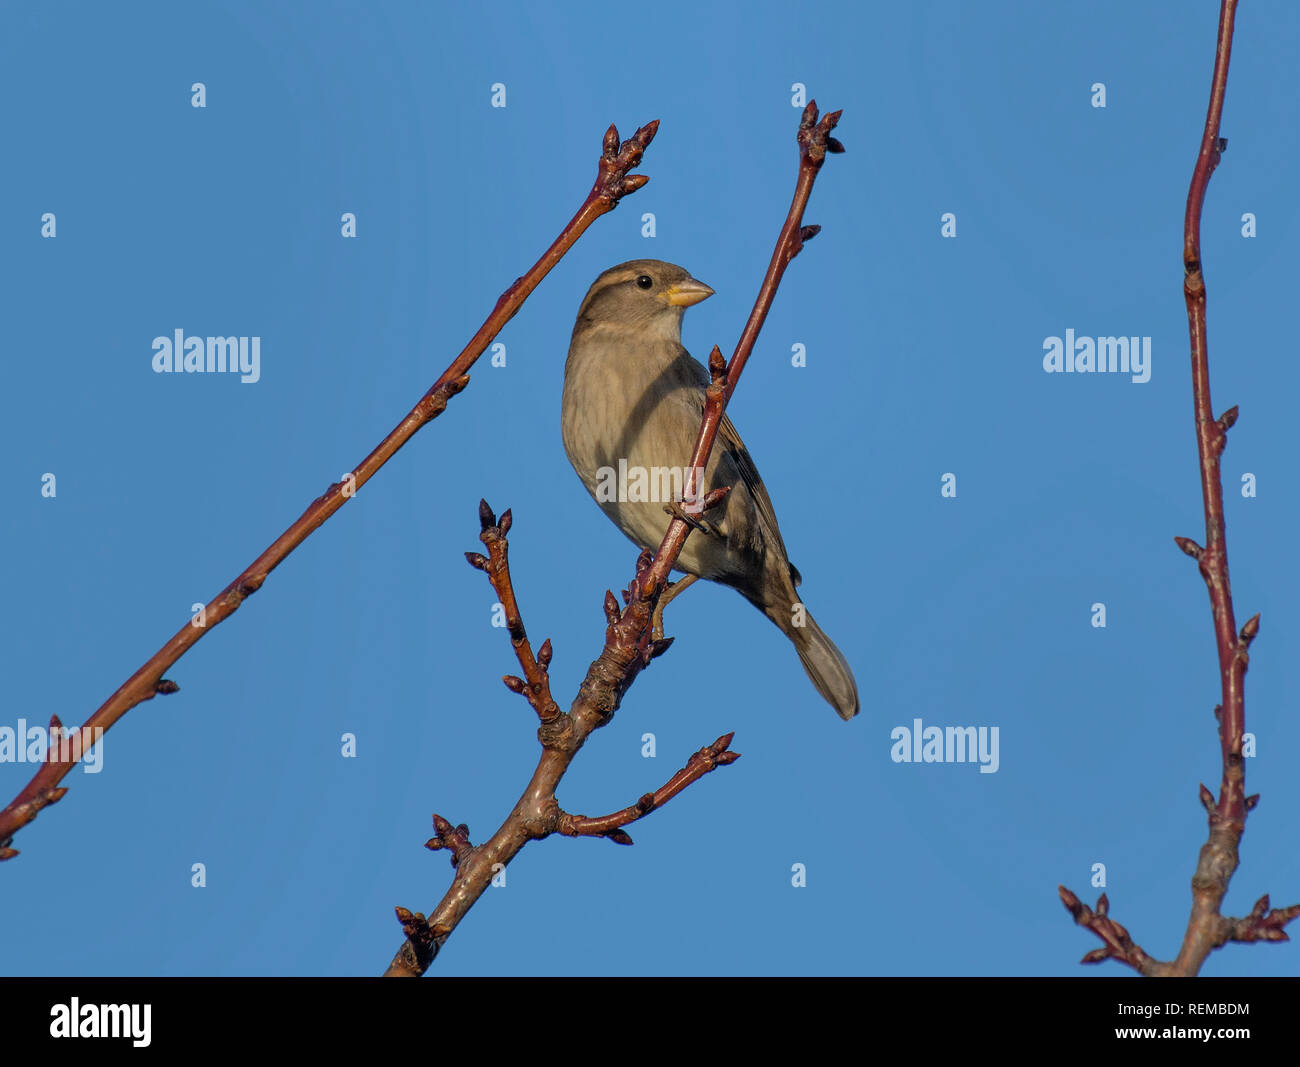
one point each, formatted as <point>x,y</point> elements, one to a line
<point>924,357</point>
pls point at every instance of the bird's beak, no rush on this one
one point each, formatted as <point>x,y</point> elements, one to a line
<point>689,292</point>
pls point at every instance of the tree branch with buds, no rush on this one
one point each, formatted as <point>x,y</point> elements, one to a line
<point>1207,929</point>
<point>614,181</point>
<point>630,635</point>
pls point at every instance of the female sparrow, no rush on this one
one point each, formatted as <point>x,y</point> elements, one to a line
<point>632,405</point>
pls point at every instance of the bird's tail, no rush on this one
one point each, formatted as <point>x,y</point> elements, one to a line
<point>824,663</point>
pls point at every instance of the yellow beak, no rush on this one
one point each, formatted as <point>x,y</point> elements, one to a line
<point>689,292</point>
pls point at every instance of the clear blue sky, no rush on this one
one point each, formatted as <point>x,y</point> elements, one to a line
<point>924,357</point>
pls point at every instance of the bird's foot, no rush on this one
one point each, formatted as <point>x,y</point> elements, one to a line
<point>694,519</point>
<point>670,591</point>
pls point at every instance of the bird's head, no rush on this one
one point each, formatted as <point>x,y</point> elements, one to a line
<point>647,296</point>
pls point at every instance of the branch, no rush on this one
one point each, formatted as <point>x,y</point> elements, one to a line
<point>613,182</point>
<point>629,641</point>
<point>537,814</point>
<point>1119,946</point>
<point>701,763</point>
<point>1262,924</point>
<point>453,838</point>
<point>814,141</point>
<point>536,683</point>
<point>1207,929</point>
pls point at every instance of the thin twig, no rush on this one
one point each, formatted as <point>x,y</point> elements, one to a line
<point>814,141</point>
<point>537,813</point>
<point>613,182</point>
<point>536,682</point>
<point>1207,928</point>
<point>1119,946</point>
<point>701,763</point>
<point>453,838</point>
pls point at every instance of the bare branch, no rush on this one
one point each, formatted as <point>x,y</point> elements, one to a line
<point>1262,924</point>
<point>814,141</point>
<point>453,838</point>
<point>613,181</point>
<point>1119,946</point>
<point>1207,929</point>
<point>536,683</point>
<point>701,763</point>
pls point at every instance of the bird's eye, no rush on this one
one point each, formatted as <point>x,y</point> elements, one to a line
<point>645,281</point>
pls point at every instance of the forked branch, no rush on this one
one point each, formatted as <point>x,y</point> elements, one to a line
<point>1207,928</point>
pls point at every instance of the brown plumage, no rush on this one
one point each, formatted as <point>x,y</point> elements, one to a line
<point>632,393</point>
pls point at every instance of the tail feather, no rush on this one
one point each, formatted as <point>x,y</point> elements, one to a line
<point>825,664</point>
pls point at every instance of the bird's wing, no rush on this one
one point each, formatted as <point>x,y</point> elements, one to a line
<point>735,450</point>
<point>733,459</point>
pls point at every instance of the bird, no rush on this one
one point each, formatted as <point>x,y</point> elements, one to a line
<point>631,408</point>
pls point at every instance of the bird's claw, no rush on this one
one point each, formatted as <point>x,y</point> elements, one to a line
<point>695,521</point>
<point>671,590</point>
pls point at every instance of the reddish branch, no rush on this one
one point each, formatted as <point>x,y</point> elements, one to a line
<point>815,141</point>
<point>1207,929</point>
<point>536,683</point>
<point>1119,946</point>
<point>453,838</point>
<point>613,182</point>
<point>629,640</point>
<point>706,759</point>
<point>537,813</point>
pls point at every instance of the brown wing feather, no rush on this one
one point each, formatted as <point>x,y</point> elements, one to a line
<point>732,453</point>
